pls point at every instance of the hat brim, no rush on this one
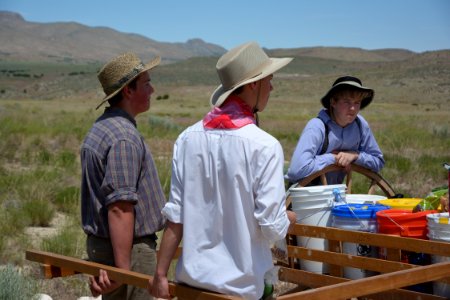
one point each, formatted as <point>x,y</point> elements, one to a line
<point>147,67</point>
<point>220,94</point>
<point>364,102</point>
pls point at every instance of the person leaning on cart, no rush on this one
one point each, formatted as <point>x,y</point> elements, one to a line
<point>227,198</point>
<point>338,135</point>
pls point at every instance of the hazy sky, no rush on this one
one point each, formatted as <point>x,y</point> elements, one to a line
<point>417,25</point>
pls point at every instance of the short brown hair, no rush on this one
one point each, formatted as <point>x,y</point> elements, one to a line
<point>113,101</point>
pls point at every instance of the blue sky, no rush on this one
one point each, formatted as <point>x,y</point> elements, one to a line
<point>417,25</point>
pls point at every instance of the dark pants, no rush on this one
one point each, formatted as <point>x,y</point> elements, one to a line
<point>143,260</point>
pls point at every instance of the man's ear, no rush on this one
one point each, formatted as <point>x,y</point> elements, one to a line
<point>253,84</point>
<point>126,91</point>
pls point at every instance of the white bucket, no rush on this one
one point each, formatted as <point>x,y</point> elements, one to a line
<point>357,217</point>
<point>363,198</point>
<point>313,206</point>
<point>439,230</point>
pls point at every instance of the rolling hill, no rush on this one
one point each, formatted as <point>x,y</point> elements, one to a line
<point>76,43</point>
<point>60,60</point>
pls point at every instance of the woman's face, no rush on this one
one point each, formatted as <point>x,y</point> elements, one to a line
<point>345,108</point>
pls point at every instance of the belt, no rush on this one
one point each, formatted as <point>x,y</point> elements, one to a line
<point>144,238</point>
<point>152,237</point>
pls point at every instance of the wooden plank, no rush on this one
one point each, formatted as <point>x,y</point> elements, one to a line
<point>373,185</point>
<point>120,275</point>
<point>333,269</point>
<point>349,182</point>
<point>374,284</point>
<point>374,239</point>
<point>314,280</point>
<point>50,271</point>
<point>347,260</point>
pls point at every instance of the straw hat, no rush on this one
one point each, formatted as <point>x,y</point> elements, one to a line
<point>241,65</point>
<point>348,82</point>
<point>120,71</point>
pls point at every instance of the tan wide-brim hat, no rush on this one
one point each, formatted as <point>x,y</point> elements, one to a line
<point>348,82</point>
<point>242,65</point>
<point>121,71</point>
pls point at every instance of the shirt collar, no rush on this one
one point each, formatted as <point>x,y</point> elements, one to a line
<point>111,112</point>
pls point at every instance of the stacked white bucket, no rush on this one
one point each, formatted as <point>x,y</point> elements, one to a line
<point>439,230</point>
<point>313,207</point>
<point>364,198</point>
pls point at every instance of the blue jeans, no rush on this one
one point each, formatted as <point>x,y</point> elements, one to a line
<point>143,260</point>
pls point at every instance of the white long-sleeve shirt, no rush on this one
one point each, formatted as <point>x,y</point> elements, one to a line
<point>228,191</point>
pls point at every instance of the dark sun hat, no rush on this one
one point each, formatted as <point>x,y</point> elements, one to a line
<point>348,82</point>
<point>121,71</point>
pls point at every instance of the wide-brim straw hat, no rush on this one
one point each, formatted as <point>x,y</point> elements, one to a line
<point>348,82</point>
<point>242,65</point>
<point>121,71</point>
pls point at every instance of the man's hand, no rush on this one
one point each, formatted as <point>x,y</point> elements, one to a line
<point>292,216</point>
<point>160,287</point>
<point>101,284</point>
<point>345,159</point>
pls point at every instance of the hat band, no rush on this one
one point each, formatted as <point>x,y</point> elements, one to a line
<point>135,71</point>
<point>251,74</point>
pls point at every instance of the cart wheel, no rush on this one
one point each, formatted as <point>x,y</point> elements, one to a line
<point>376,180</point>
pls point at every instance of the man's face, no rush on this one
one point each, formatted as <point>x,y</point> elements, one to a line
<point>140,96</point>
<point>346,108</point>
<point>264,93</point>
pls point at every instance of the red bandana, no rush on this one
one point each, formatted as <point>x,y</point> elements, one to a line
<point>233,114</point>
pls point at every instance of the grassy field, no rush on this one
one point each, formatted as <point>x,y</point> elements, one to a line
<point>44,116</point>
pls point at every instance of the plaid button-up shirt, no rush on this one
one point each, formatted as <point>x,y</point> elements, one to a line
<point>117,166</point>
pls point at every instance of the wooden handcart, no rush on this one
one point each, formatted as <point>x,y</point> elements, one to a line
<point>393,276</point>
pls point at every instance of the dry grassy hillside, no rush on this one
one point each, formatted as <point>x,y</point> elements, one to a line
<point>346,54</point>
<point>73,42</point>
<point>47,108</point>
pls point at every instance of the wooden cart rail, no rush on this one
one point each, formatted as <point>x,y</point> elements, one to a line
<point>56,265</point>
<point>394,273</point>
<point>392,270</point>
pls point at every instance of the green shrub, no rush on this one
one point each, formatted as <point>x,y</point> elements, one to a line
<point>163,127</point>
<point>70,241</point>
<point>66,159</point>
<point>67,199</point>
<point>400,163</point>
<point>39,212</point>
<point>163,165</point>
<point>12,221</point>
<point>14,285</point>
<point>2,242</point>
<point>44,156</point>
<point>432,165</point>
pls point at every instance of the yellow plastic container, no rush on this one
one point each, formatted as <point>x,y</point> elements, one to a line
<point>401,203</point>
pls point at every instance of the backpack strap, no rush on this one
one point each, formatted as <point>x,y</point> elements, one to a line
<point>358,121</point>
<point>327,131</point>
<point>325,141</point>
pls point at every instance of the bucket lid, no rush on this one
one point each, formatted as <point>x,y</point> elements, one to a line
<point>363,198</point>
<point>401,203</point>
<point>402,216</point>
<point>356,210</point>
<point>439,218</point>
<point>318,189</point>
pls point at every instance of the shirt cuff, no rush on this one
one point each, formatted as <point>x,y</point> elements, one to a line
<point>172,212</point>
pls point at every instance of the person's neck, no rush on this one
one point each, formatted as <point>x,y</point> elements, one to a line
<point>248,98</point>
<point>125,106</point>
